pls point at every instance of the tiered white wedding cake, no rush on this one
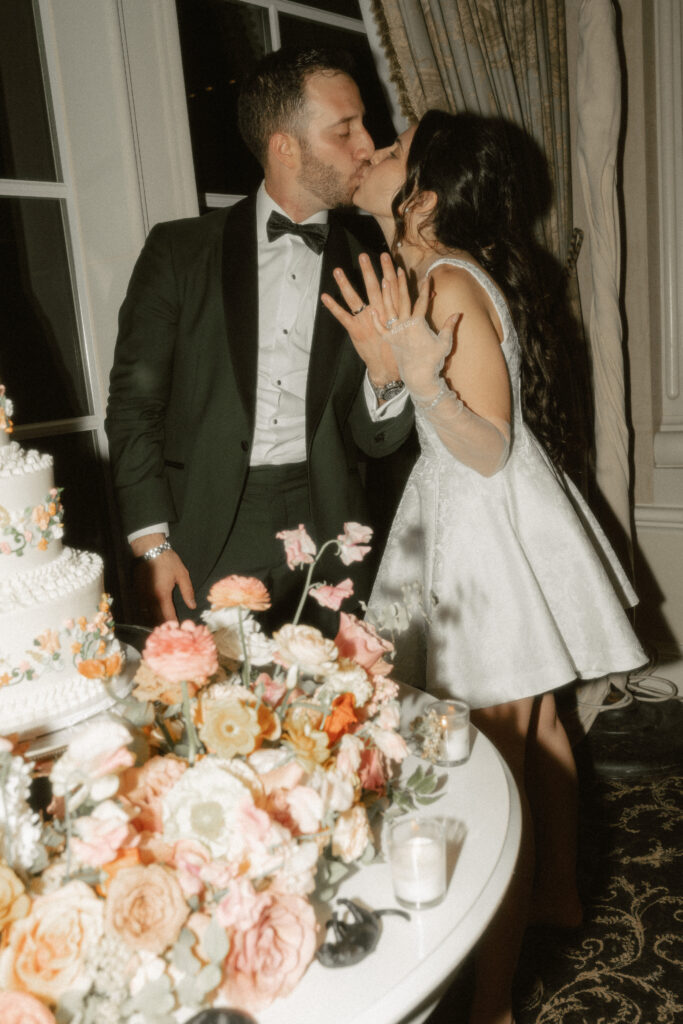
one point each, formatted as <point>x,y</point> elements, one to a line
<point>58,653</point>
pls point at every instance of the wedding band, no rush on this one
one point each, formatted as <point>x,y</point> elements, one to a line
<point>355,312</point>
<point>390,321</point>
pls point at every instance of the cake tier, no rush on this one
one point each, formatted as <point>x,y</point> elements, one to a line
<point>57,645</point>
<point>30,511</point>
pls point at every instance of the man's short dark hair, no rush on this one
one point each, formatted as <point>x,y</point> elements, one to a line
<point>272,96</point>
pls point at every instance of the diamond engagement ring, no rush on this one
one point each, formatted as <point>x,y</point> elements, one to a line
<point>355,312</point>
<point>392,320</point>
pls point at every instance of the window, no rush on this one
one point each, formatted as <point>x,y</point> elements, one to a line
<point>221,40</point>
<point>45,350</point>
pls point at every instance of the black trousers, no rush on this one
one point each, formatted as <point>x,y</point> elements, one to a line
<point>275,498</point>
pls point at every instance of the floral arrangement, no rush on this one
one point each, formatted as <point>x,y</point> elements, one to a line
<point>187,839</point>
<point>6,411</point>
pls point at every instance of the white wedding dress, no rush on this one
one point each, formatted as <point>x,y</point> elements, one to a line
<point>501,587</point>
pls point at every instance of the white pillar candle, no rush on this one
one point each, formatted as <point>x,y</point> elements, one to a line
<point>417,851</point>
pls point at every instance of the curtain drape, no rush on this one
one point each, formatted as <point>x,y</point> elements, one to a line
<point>495,57</point>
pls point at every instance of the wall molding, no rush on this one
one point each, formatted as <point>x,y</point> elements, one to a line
<point>659,517</point>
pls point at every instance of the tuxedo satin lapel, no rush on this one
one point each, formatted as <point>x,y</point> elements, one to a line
<point>328,334</point>
<point>240,298</point>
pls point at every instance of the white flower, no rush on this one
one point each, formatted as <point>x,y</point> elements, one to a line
<point>336,790</point>
<point>20,827</point>
<point>351,834</point>
<point>305,648</point>
<point>92,762</point>
<point>347,680</point>
<point>300,864</point>
<point>349,753</point>
<point>202,805</point>
<point>224,624</point>
<point>388,742</point>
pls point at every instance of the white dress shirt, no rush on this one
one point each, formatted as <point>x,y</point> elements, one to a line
<point>288,283</point>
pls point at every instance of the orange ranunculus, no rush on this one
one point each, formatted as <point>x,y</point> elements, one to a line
<point>42,544</point>
<point>246,591</point>
<point>92,668</point>
<point>341,717</point>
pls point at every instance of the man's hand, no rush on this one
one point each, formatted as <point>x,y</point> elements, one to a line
<point>156,580</point>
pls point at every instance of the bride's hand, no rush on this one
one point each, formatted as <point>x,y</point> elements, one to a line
<point>371,346</point>
<point>419,352</point>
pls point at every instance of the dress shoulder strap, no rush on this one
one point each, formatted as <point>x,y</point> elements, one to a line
<point>491,289</point>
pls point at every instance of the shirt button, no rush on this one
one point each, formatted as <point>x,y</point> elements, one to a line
<point>293,277</point>
<point>244,445</point>
<point>278,382</point>
<point>285,331</point>
<point>274,421</point>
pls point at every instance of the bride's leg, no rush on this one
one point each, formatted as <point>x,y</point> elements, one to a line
<point>507,726</point>
<point>551,785</point>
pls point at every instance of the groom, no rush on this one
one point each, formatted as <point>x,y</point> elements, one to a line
<point>238,406</point>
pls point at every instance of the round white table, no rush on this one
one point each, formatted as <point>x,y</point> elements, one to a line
<point>401,981</point>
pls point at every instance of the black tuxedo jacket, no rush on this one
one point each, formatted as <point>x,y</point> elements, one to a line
<point>180,417</point>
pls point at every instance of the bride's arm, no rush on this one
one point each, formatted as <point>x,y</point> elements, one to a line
<point>468,403</point>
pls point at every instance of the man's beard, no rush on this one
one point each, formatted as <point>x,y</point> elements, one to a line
<point>324,181</point>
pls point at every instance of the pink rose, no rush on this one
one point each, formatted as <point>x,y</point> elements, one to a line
<point>360,641</point>
<point>353,541</point>
<point>241,906</point>
<point>267,960</point>
<point>185,652</point>
<point>331,597</point>
<point>21,1008</point>
<point>102,834</point>
<point>189,858</point>
<point>299,548</point>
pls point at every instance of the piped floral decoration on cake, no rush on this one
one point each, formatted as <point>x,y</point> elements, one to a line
<point>89,645</point>
<point>33,527</point>
<point>187,842</point>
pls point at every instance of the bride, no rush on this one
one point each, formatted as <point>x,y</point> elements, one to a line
<point>519,591</point>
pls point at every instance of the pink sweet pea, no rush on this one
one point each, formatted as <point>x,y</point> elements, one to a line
<point>353,542</point>
<point>332,596</point>
<point>299,547</point>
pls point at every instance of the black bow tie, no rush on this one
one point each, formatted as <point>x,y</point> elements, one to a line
<point>314,235</point>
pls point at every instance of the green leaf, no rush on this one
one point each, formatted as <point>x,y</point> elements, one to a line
<point>155,998</point>
<point>215,942</point>
<point>426,800</point>
<point>416,777</point>
<point>188,993</point>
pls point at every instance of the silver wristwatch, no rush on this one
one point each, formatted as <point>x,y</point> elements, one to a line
<point>384,392</point>
<point>153,553</point>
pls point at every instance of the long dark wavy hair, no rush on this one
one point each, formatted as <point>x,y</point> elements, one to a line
<point>472,165</point>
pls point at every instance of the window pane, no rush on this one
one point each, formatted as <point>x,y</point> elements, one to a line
<point>300,32</point>
<point>23,153</point>
<point>350,8</point>
<point>40,352</point>
<point>78,469</point>
<point>220,43</point>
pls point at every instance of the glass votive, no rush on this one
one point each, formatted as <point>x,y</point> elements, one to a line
<point>454,723</point>
<point>417,856</point>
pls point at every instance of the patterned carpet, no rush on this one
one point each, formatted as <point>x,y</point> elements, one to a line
<point>623,965</point>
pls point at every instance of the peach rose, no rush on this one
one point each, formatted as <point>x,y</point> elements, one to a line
<point>14,903</point>
<point>360,641</point>
<point>47,951</point>
<point>145,787</point>
<point>101,834</point>
<point>246,591</point>
<point>267,960</point>
<point>21,1008</point>
<point>179,652</point>
<point>145,907</point>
